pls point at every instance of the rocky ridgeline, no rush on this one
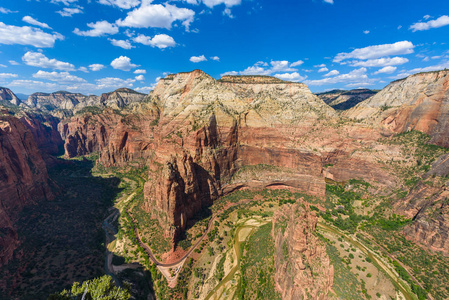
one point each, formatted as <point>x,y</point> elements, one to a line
<point>66,103</point>
<point>418,102</point>
<point>343,100</point>
<point>303,269</point>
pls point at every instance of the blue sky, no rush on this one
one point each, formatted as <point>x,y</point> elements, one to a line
<point>95,46</point>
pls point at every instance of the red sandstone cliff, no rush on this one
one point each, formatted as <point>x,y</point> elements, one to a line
<point>303,269</point>
<point>23,178</point>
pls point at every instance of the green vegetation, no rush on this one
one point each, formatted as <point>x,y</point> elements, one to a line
<point>94,110</point>
<point>102,288</point>
<point>346,285</point>
<point>257,266</point>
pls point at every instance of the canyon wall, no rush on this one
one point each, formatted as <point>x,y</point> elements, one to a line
<point>23,178</point>
<point>195,133</point>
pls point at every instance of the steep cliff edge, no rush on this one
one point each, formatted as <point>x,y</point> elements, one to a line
<point>23,178</point>
<point>6,95</point>
<point>303,269</point>
<point>418,102</point>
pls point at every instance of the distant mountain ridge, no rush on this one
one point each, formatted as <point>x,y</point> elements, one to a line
<point>64,103</point>
<point>343,100</point>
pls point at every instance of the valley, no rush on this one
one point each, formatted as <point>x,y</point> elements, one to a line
<point>247,187</point>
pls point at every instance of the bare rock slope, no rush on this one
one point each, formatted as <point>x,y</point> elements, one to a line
<point>418,102</point>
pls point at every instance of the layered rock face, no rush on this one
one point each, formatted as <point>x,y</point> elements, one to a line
<point>428,206</point>
<point>195,133</point>
<point>7,95</point>
<point>303,269</point>
<point>61,102</point>
<point>23,178</point>
<point>419,102</point>
<point>343,100</point>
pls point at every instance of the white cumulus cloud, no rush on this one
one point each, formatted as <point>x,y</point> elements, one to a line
<point>377,51</point>
<point>197,59</point>
<point>125,4</point>
<point>35,22</point>
<point>140,77</point>
<point>96,67</point>
<point>357,77</point>
<point>157,15</point>
<point>113,82</point>
<point>280,67</point>
<point>296,63</point>
<point>35,85</point>
<point>6,11</point>
<point>68,12</point>
<point>386,70</point>
<point>26,35</point>
<point>441,66</point>
<point>123,63</point>
<point>440,22</point>
<point>329,1</point>
<point>65,2</point>
<point>37,59</point>
<point>216,58</point>
<point>332,73</point>
<point>323,69</point>
<point>99,28</point>
<point>140,71</point>
<point>381,62</point>
<point>228,3</point>
<point>121,43</point>
<point>160,41</point>
<point>290,76</point>
<point>8,75</point>
<point>61,77</point>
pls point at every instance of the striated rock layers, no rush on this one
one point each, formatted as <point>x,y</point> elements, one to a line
<point>23,178</point>
<point>303,269</point>
<point>418,102</point>
<point>66,103</point>
<point>194,133</point>
<point>6,95</point>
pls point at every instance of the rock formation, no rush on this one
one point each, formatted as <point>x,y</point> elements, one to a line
<point>303,269</point>
<point>23,178</point>
<point>66,103</point>
<point>343,100</point>
<point>6,95</point>
<point>418,102</point>
<point>195,133</point>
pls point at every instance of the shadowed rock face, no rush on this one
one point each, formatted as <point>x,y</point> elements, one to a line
<point>303,269</point>
<point>419,102</point>
<point>23,178</point>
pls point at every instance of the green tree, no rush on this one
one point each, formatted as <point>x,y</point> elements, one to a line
<point>102,288</point>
